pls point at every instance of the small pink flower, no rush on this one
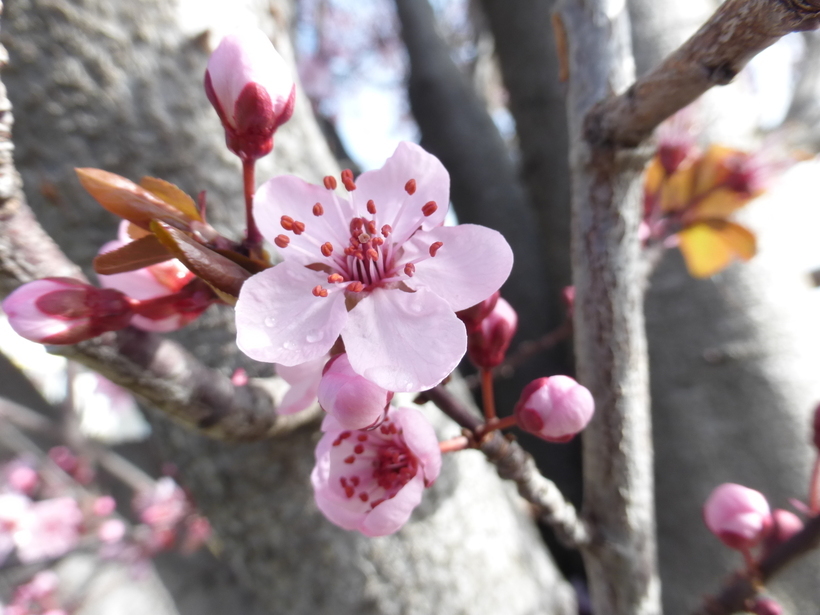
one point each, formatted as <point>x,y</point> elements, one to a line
<point>111,531</point>
<point>304,384</point>
<point>379,270</point>
<point>21,477</point>
<point>164,506</point>
<point>739,516</point>
<point>554,408</point>
<point>252,90</point>
<point>371,481</point>
<point>104,506</point>
<point>487,345</point>
<point>152,282</point>
<point>65,311</point>
<point>50,528</point>
<point>354,401</point>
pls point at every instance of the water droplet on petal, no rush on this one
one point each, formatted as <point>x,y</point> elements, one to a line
<point>269,321</point>
<point>288,345</point>
<point>315,335</point>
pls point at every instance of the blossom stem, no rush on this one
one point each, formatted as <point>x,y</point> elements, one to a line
<point>254,237</point>
<point>814,487</point>
<point>496,424</point>
<point>459,443</point>
<point>487,395</point>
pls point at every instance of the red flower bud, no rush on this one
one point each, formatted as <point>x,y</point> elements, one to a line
<point>65,311</point>
<point>785,524</point>
<point>487,345</point>
<point>251,88</point>
<point>554,408</point>
<point>472,316</point>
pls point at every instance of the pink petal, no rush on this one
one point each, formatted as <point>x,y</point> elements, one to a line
<point>421,439</point>
<point>394,206</point>
<point>25,317</point>
<point>342,511</point>
<point>287,195</point>
<point>304,383</point>
<point>392,514</point>
<point>279,320</point>
<point>473,262</point>
<point>138,284</point>
<point>172,323</point>
<point>404,341</point>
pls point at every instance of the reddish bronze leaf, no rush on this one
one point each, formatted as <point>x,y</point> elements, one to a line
<point>142,252</point>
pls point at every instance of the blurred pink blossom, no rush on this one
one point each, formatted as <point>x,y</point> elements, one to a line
<point>48,529</point>
<point>371,481</point>
<point>164,506</point>
<point>739,516</point>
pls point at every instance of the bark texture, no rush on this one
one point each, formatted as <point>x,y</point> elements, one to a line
<point>610,343</point>
<point>119,86</point>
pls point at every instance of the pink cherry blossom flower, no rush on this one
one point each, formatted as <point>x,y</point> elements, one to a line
<point>50,528</point>
<point>163,506</point>
<point>353,400</point>
<point>554,408</point>
<point>64,311</point>
<point>379,270</point>
<point>252,90</point>
<point>304,385</point>
<point>739,516</point>
<point>158,280</point>
<point>371,481</point>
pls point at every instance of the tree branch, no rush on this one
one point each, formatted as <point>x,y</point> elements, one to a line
<point>717,52</point>
<point>515,464</point>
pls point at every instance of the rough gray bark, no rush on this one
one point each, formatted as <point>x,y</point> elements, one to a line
<point>610,343</point>
<point>118,86</point>
<point>485,188</point>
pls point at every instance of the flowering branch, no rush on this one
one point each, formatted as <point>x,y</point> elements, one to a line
<point>717,52</point>
<point>740,589</point>
<point>515,464</point>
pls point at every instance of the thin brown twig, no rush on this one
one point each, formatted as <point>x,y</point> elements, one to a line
<point>514,463</point>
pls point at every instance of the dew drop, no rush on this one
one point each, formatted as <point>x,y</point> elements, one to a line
<point>288,345</point>
<point>315,335</point>
<point>269,321</point>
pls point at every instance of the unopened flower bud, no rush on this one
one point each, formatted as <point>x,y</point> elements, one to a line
<point>487,345</point>
<point>554,408</point>
<point>473,316</point>
<point>65,311</point>
<point>354,401</point>
<point>252,90</point>
<point>766,606</point>
<point>738,516</point>
<point>785,524</point>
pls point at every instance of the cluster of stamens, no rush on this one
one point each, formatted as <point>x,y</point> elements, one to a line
<point>393,464</point>
<point>366,260</point>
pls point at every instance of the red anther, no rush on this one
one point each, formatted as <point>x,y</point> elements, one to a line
<point>298,227</point>
<point>335,278</point>
<point>410,186</point>
<point>345,435</point>
<point>354,242</point>
<point>364,497</point>
<point>356,287</point>
<point>281,241</point>
<point>350,459</point>
<point>373,254</point>
<point>377,241</point>
<point>347,180</point>
<point>410,269</point>
<point>362,437</point>
<point>318,291</point>
<point>358,449</point>
<point>327,248</point>
<point>318,210</point>
<point>429,208</point>
<point>386,230</point>
<point>359,255</point>
<point>287,223</point>
<point>330,182</point>
<point>434,248</point>
<point>371,227</point>
<point>354,480</point>
<point>349,251</point>
<point>356,225</point>
<point>371,207</point>
<point>349,491</point>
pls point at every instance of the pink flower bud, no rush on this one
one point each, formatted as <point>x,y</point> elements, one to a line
<point>554,408</point>
<point>103,506</point>
<point>739,516</point>
<point>21,477</point>
<point>766,606</point>
<point>252,90</point>
<point>354,401</point>
<point>65,311</point>
<point>473,316</point>
<point>785,524</point>
<point>487,345</point>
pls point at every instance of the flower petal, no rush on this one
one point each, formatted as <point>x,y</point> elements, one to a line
<point>390,515</point>
<point>289,196</point>
<point>394,206</point>
<point>421,439</point>
<point>279,320</point>
<point>472,263</point>
<point>404,341</point>
<point>304,384</point>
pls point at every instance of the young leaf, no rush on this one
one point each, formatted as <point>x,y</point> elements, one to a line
<point>137,254</point>
<point>172,195</point>
<point>709,246</point>
<point>221,273</point>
